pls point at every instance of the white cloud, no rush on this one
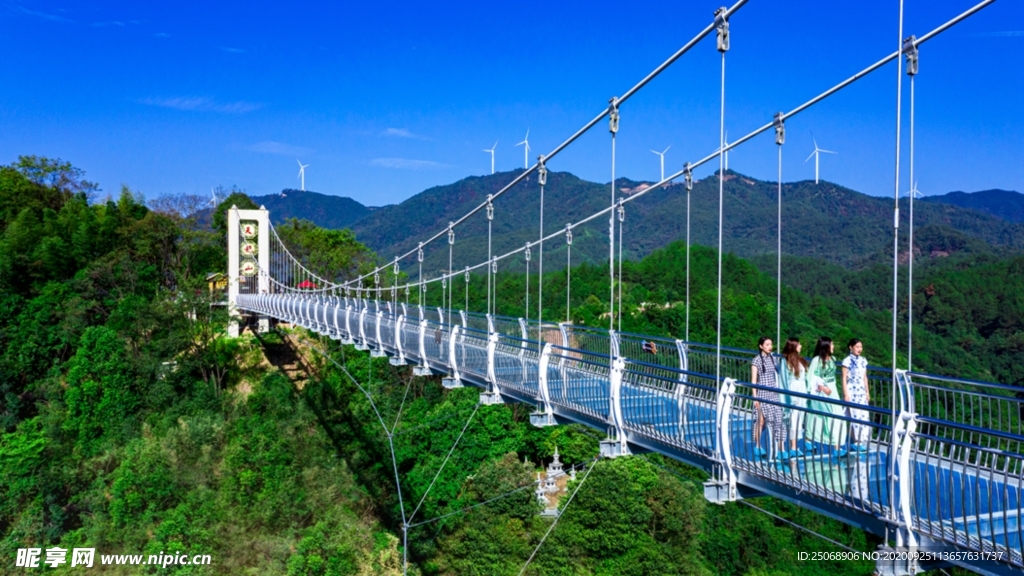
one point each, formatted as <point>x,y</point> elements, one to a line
<point>271,147</point>
<point>232,50</point>
<point>402,133</point>
<point>406,163</point>
<point>202,104</point>
<point>43,15</point>
<point>105,24</point>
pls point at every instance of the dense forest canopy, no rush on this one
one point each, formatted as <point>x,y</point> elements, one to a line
<point>131,423</point>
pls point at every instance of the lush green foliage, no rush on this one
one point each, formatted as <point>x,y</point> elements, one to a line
<point>130,423</point>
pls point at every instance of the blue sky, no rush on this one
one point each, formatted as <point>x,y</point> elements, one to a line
<point>386,99</point>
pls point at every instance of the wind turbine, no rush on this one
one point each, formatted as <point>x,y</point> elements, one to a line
<point>817,155</point>
<point>492,152</point>
<point>302,174</point>
<point>213,201</point>
<point>727,151</point>
<point>662,155</point>
<point>725,158</point>
<point>914,191</point>
<point>526,151</point>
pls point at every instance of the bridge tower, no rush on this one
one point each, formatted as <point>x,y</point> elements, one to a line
<point>248,260</point>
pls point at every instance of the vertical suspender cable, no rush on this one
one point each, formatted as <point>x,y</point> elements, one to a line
<point>780,139</point>
<point>613,127</point>
<point>526,307</point>
<point>688,175</point>
<point>451,279</point>
<point>622,219</point>
<point>910,47</point>
<point>490,261</point>
<point>542,178</point>
<point>568,271</point>
<point>723,47</point>
<point>895,273</point>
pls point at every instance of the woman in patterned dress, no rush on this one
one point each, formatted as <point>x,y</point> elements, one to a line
<point>764,372</point>
<point>821,381</point>
<point>855,391</point>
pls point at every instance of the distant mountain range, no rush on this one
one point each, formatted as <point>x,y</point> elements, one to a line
<point>1003,204</point>
<point>824,221</point>
<point>321,209</point>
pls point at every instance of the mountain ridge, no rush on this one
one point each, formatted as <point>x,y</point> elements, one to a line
<point>1003,204</point>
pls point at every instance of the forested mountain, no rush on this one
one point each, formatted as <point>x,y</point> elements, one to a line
<point>825,221</point>
<point>130,421</point>
<point>1004,204</point>
<point>321,209</point>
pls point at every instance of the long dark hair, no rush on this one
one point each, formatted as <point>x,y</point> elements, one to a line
<point>793,358</point>
<point>823,349</point>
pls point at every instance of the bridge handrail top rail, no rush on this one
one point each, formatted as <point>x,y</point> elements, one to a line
<point>976,429</point>
<point>966,381</point>
<point>826,399</point>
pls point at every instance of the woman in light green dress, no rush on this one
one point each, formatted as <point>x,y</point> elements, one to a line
<point>821,382</point>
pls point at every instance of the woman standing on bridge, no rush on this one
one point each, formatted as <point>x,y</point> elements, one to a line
<point>763,372</point>
<point>855,390</point>
<point>821,381</point>
<point>794,379</point>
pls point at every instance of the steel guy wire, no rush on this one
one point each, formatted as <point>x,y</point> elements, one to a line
<point>443,463</point>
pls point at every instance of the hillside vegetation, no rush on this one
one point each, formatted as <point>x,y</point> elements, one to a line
<point>824,221</point>
<point>129,422</point>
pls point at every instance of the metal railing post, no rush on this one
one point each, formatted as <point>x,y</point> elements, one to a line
<point>492,396</point>
<point>544,416</point>
<point>722,487</point>
<point>615,445</point>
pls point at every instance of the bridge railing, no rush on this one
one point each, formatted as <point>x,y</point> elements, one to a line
<point>659,405</point>
<point>515,365</point>
<point>583,383</point>
<point>966,493</point>
<point>847,462</point>
<point>471,350</point>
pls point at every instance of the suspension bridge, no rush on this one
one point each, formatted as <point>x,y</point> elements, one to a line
<point>941,473</point>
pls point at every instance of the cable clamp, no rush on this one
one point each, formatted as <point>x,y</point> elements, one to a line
<point>419,254</point>
<point>568,234</point>
<point>490,208</point>
<point>396,266</point>
<point>467,274</point>
<point>494,265</point>
<point>451,233</point>
<point>542,171</point>
<point>780,128</point>
<point>376,278</point>
<point>688,177</point>
<point>527,252</point>
<point>723,29</point>
<point>622,211</point>
<point>444,282</point>
<point>910,51</point>
<point>613,114</point>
